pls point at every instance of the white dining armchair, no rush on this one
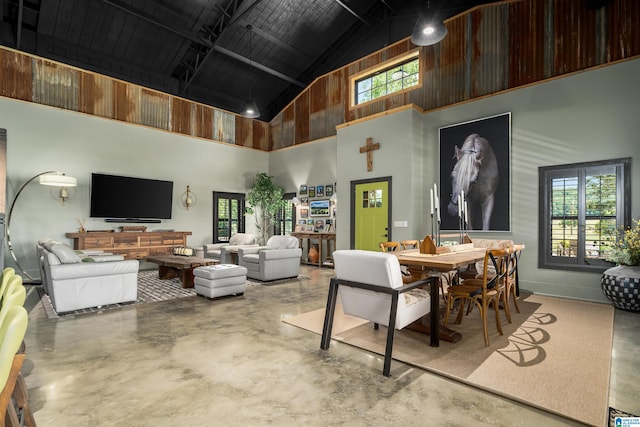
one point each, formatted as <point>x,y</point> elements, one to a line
<point>370,287</point>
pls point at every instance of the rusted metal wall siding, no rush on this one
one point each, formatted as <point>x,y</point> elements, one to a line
<point>15,75</point>
<point>530,37</point>
<point>95,95</point>
<point>302,118</point>
<point>38,80</point>
<point>489,49</point>
<point>318,108</point>
<point>55,85</point>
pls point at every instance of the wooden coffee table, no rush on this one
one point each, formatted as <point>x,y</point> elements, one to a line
<point>172,266</point>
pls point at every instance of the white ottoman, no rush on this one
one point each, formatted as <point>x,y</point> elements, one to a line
<point>213,281</point>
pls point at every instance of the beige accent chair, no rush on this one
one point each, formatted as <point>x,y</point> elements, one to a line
<point>221,251</point>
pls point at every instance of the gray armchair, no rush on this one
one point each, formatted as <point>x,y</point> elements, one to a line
<point>221,251</point>
<point>280,259</point>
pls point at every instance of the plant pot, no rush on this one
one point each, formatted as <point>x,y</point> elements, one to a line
<point>621,285</point>
<point>314,254</point>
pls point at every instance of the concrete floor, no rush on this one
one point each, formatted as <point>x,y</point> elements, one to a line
<point>233,362</point>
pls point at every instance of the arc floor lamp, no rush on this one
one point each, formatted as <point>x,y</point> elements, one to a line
<point>50,178</point>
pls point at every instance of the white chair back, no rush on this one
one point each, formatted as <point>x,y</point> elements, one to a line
<point>375,268</point>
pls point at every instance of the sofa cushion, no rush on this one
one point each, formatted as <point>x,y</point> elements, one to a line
<point>242,239</point>
<point>65,254</point>
<point>47,243</point>
<point>282,242</point>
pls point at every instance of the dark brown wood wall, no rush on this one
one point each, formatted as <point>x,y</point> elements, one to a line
<point>488,49</point>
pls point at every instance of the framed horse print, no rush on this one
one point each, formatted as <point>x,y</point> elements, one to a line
<point>475,157</point>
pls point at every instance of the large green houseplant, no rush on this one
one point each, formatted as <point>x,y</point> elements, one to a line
<point>264,200</point>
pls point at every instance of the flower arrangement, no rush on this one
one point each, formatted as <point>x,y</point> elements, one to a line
<point>626,249</point>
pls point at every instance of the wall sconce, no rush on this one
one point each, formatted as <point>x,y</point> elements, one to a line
<point>189,198</point>
<point>50,178</point>
<point>63,193</point>
<point>295,201</point>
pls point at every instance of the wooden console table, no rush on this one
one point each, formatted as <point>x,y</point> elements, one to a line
<point>323,238</point>
<point>131,244</point>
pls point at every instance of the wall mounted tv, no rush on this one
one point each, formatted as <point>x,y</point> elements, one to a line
<point>128,199</point>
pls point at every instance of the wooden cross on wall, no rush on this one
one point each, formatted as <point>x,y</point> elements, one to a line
<point>369,148</point>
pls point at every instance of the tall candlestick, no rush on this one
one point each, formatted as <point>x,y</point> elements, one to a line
<point>466,210</point>
<point>459,207</point>
<point>431,198</point>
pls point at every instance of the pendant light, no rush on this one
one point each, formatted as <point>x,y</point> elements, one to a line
<point>250,107</point>
<point>429,30</point>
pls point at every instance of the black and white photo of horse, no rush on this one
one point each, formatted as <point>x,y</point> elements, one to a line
<point>475,159</point>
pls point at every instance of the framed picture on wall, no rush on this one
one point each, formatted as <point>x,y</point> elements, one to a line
<point>312,191</point>
<point>319,207</point>
<point>320,191</point>
<point>328,190</point>
<point>477,148</point>
<point>304,201</point>
<point>303,189</point>
<point>304,213</point>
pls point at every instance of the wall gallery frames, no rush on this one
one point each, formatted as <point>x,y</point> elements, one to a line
<point>475,157</point>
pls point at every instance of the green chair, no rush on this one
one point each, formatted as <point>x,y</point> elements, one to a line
<point>12,333</point>
<point>14,295</point>
<point>7,273</point>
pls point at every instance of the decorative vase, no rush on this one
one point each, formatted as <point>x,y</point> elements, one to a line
<point>314,254</point>
<point>621,285</point>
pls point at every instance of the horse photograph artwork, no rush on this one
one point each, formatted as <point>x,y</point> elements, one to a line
<point>474,162</point>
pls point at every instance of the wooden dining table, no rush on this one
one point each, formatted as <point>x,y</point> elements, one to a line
<point>440,262</point>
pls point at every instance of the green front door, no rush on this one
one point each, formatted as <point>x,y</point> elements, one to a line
<point>371,219</point>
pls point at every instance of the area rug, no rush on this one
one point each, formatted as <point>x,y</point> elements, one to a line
<point>556,355</point>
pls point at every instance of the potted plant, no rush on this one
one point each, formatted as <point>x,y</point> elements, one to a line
<point>621,284</point>
<point>264,200</point>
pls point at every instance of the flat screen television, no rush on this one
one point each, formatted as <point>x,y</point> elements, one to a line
<point>128,199</point>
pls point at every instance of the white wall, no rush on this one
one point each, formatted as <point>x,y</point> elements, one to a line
<point>43,138</point>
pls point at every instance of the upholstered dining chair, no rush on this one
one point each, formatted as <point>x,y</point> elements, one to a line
<point>370,287</point>
<point>389,246</point>
<point>410,244</point>
<point>14,295</point>
<point>482,292</point>
<point>7,273</point>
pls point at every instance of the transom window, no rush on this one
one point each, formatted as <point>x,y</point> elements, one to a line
<point>396,78</point>
<point>584,205</point>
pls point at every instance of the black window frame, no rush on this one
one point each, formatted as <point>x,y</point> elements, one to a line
<point>217,238</point>
<point>279,220</point>
<point>580,262</point>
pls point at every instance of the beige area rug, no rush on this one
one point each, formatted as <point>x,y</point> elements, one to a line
<point>556,355</point>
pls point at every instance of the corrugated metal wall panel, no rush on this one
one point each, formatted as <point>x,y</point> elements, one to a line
<point>202,121</point>
<point>318,102</point>
<point>180,115</point>
<point>622,29</point>
<point>224,126</point>
<point>55,84</point>
<point>120,101</point>
<point>302,118</point>
<point>154,109</point>
<point>95,95</point>
<point>275,126</point>
<point>530,37</point>
<point>244,131</point>
<point>288,127</point>
<point>260,135</point>
<point>15,75</point>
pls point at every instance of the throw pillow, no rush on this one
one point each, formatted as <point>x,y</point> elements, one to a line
<point>65,254</point>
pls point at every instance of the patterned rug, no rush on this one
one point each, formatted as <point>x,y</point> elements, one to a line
<point>150,289</point>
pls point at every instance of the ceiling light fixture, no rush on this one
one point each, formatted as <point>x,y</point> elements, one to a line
<point>250,108</point>
<point>429,30</point>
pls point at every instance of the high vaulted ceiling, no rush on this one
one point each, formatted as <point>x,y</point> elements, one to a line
<point>202,50</point>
